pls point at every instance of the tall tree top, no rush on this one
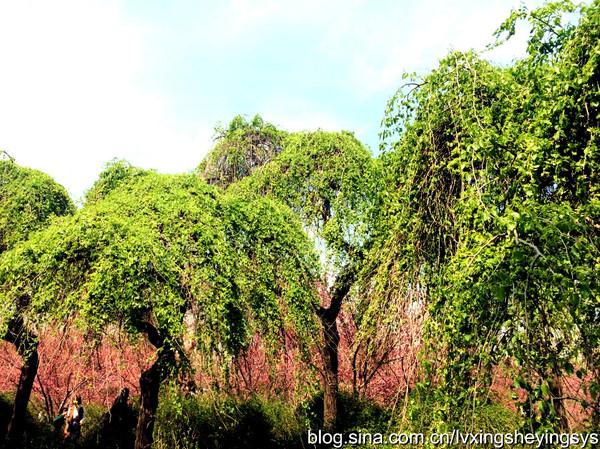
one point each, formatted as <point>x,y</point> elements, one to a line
<point>242,147</point>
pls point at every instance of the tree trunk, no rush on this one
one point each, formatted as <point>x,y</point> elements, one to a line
<point>558,403</point>
<point>26,344</point>
<point>150,382</point>
<point>331,340</point>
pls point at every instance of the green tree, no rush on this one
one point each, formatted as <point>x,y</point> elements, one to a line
<point>492,210</point>
<point>29,199</point>
<point>329,179</point>
<point>156,247</point>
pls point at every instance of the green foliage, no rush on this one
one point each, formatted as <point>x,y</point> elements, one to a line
<point>241,148</point>
<point>492,212</point>
<point>158,246</point>
<point>212,421</point>
<point>28,201</point>
<point>549,28</point>
<point>421,411</point>
<point>422,415</point>
<point>114,173</point>
<point>355,414</point>
<point>209,421</point>
<point>329,179</point>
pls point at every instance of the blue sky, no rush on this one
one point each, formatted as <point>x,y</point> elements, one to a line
<point>82,82</point>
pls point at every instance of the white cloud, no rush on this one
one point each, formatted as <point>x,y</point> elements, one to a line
<point>71,96</point>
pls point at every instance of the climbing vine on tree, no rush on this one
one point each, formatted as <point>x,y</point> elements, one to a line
<point>241,147</point>
<point>158,247</point>
<point>29,201</point>
<point>492,210</point>
<point>330,180</point>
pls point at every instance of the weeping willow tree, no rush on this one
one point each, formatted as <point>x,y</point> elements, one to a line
<point>29,199</point>
<point>329,180</point>
<point>492,213</point>
<point>154,248</point>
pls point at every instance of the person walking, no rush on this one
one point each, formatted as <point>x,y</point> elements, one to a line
<point>73,419</point>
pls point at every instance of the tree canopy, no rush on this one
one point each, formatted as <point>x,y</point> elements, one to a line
<point>329,179</point>
<point>115,173</point>
<point>28,201</point>
<point>154,248</point>
<point>493,211</point>
<point>159,245</point>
